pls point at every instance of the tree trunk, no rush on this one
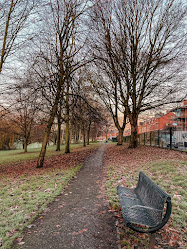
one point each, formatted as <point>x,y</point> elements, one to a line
<point>62,135</point>
<point>55,139</point>
<point>44,145</point>
<point>106,137</point>
<point>120,136</point>
<point>3,52</point>
<point>84,136</point>
<point>88,134</point>
<point>25,145</point>
<point>134,133</point>
<point>67,147</point>
<point>77,134</point>
<point>88,137</point>
<point>58,134</point>
<point>48,130</point>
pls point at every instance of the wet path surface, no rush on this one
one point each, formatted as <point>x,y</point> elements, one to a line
<point>78,218</point>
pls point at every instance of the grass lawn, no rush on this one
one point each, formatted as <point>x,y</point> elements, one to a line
<point>166,168</point>
<point>27,191</point>
<point>12,156</point>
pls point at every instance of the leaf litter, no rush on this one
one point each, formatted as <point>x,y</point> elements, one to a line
<point>122,167</point>
<point>25,189</point>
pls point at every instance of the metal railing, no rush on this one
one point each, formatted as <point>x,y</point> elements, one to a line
<point>171,138</point>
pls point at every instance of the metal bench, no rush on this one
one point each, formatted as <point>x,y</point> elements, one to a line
<point>146,208</point>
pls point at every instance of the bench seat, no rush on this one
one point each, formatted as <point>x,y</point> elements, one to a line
<point>144,205</point>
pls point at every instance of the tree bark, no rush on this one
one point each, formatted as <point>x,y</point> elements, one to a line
<point>58,134</point>
<point>48,129</point>
<point>84,136</point>
<point>120,136</point>
<point>77,134</point>
<point>106,136</point>
<point>25,145</point>
<point>88,137</point>
<point>134,133</point>
<point>5,36</point>
<point>88,133</point>
<point>67,147</point>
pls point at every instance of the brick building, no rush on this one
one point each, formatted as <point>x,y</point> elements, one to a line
<point>180,120</point>
<point>159,122</point>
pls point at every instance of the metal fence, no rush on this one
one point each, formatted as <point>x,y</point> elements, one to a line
<point>171,138</point>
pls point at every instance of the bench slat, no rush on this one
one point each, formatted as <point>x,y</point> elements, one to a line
<point>150,193</point>
<point>144,204</point>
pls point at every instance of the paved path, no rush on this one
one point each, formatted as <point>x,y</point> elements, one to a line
<point>78,218</point>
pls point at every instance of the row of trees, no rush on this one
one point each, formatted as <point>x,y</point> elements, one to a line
<point>124,54</point>
<point>26,119</point>
<point>54,81</point>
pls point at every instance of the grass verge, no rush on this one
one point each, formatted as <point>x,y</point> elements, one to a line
<point>12,156</point>
<point>24,197</point>
<point>170,175</point>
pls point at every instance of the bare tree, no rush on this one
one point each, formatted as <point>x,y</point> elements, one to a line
<point>108,91</point>
<point>144,43</point>
<point>59,123</point>
<point>13,17</point>
<point>105,72</point>
<point>58,52</point>
<point>24,109</point>
<point>86,110</point>
<point>8,132</point>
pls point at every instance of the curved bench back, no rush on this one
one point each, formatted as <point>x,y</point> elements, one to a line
<point>150,193</point>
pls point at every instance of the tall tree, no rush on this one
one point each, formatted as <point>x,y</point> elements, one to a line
<point>13,17</point>
<point>104,74</point>
<point>154,44</point>
<point>63,18</point>
<point>25,108</point>
<point>144,41</point>
<point>86,110</point>
<point>59,124</point>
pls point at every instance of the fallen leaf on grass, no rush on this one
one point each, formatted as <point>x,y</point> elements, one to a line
<point>32,225</point>
<point>48,190</point>
<point>10,234</point>
<point>21,243</point>
<point>112,210</point>
<point>19,239</point>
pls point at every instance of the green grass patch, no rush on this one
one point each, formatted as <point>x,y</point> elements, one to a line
<point>12,156</point>
<point>169,175</point>
<point>23,198</point>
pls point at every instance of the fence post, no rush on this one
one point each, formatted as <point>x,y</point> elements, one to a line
<point>144,138</point>
<point>158,138</point>
<point>170,136</point>
<point>150,138</point>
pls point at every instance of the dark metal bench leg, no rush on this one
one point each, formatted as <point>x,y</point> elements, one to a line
<point>152,241</point>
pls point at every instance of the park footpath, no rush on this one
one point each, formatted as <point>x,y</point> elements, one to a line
<point>78,218</point>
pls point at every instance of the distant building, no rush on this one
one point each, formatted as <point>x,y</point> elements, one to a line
<point>177,117</point>
<point>180,120</point>
<point>159,122</point>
